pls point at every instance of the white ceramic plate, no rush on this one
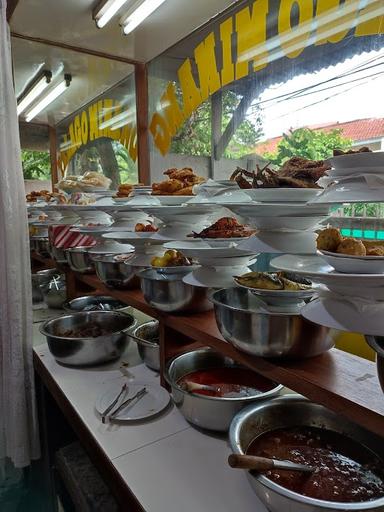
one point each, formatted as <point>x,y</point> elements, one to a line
<point>350,171</point>
<point>285,223</point>
<point>111,248</point>
<point>319,271</point>
<point>282,195</point>
<point>91,229</point>
<point>252,210</point>
<point>375,159</point>
<point>349,190</point>
<point>120,200</point>
<point>213,277</point>
<point>341,255</point>
<point>127,237</point>
<point>222,242</point>
<point>197,248</point>
<point>344,316</point>
<point>301,242</point>
<point>277,297</point>
<point>353,264</point>
<point>173,200</point>
<point>152,403</point>
<point>176,269</point>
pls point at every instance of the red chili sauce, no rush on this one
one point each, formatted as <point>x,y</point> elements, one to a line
<point>228,382</point>
<point>346,470</point>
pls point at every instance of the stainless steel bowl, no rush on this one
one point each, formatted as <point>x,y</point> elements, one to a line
<point>58,254</point>
<point>289,411</point>
<point>41,246</point>
<point>89,301</point>
<point>41,277</point>
<point>88,351</point>
<point>282,335</point>
<point>147,338</point>
<point>377,344</point>
<point>79,260</point>
<point>115,274</point>
<point>205,411</point>
<point>168,293</point>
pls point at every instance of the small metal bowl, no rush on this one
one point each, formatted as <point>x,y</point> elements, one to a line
<point>41,246</point>
<point>206,411</point>
<point>79,260</point>
<point>115,274</point>
<point>89,301</point>
<point>293,411</point>
<point>168,293</point>
<point>88,351</point>
<point>147,338</point>
<point>377,344</point>
<point>282,335</point>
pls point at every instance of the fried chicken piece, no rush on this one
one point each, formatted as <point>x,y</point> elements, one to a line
<point>299,168</point>
<point>186,191</point>
<point>329,239</point>
<point>375,250</point>
<point>170,187</point>
<point>226,227</point>
<point>145,228</point>
<point>352,247</point>
<point>340,152</point>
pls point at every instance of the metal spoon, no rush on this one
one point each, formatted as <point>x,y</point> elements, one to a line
<point>263,464</point>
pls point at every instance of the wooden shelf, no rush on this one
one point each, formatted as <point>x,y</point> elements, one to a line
<point>340,381</point>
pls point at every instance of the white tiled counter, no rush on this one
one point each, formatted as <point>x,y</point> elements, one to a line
<point>168,465</point>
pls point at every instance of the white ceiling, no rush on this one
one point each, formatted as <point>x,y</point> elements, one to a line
<point>70,21</point>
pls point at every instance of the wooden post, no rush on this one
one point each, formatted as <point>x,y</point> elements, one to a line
<point>53,155</point>
<point>216,120</point>
<point>141,82</point>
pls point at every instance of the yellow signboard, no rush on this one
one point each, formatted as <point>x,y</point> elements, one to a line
<point>327,21</point>
<point>104,118</point>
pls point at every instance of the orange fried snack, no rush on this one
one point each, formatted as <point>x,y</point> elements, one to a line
<point>180,182</point>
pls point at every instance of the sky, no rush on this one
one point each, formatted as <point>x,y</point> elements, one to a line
<point>357,96</point>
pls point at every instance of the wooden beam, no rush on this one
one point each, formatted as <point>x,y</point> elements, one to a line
<point>11,6</point>
<point>53,155</point>
<point>141,82</point>
<point>77,49</point>
<point>234,123</point>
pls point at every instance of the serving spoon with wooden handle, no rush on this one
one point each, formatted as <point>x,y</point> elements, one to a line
<point>263,464</point>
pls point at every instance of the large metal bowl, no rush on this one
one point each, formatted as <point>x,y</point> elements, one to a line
<point>88,351</point>
<point>281,335</point>
<point>205,411</point>
<point>58,254</point>
<point>290,411</point>
<point>41,246</point>
<point>79,260</point>
<point>115,274</point>
<point>147,338</point>
<point>89,301</point>
<point>377,344</point>
<point>168,293</point>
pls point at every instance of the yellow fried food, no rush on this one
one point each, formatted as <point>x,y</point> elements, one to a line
<point>352,247</point>
<point>375,250</point>
<point>293,286</point>
<point>329,239</point>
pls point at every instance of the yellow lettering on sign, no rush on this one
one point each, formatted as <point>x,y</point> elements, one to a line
<point>84,127</point>
<point>228,69</point>
<point>251,28</point>
<point>77,129</point>
<point>205,58</point>
<point>371,20</point>
<point>171,109</point>
<point>133,144</point>
<point>191,93</point>
<point>161,136</point>
<point>93,122</point>
<point>293,39</point>
<point>125,135</point>
<point>331,16</point>
<point>108,111</point>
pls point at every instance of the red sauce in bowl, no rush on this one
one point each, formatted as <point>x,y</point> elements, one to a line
<point>346,470</point>
<point>228,382</point>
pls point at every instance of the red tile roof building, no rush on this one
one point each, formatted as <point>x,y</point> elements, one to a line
<point>362,131</point>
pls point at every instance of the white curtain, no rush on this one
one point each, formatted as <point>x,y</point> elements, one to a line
<point>18,421</point>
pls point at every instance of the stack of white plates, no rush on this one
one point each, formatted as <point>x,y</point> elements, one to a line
<point>350,301</point>
<point>355,178</point>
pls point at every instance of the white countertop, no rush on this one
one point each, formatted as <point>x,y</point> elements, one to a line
<point>168,465</point>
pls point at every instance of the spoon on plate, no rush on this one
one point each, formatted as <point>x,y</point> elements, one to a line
<point>263,464</point>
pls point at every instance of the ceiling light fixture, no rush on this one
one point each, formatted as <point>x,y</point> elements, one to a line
<point>104,12</point>
<point>130,22</point>
<point>33,91</point>
<point>49,98</point>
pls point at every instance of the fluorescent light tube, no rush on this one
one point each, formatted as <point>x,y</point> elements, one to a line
<point>123,116</point>
<point>138,15</point>
<point>49,98</point>
<point>37,88</point>
<point>104,15</point>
